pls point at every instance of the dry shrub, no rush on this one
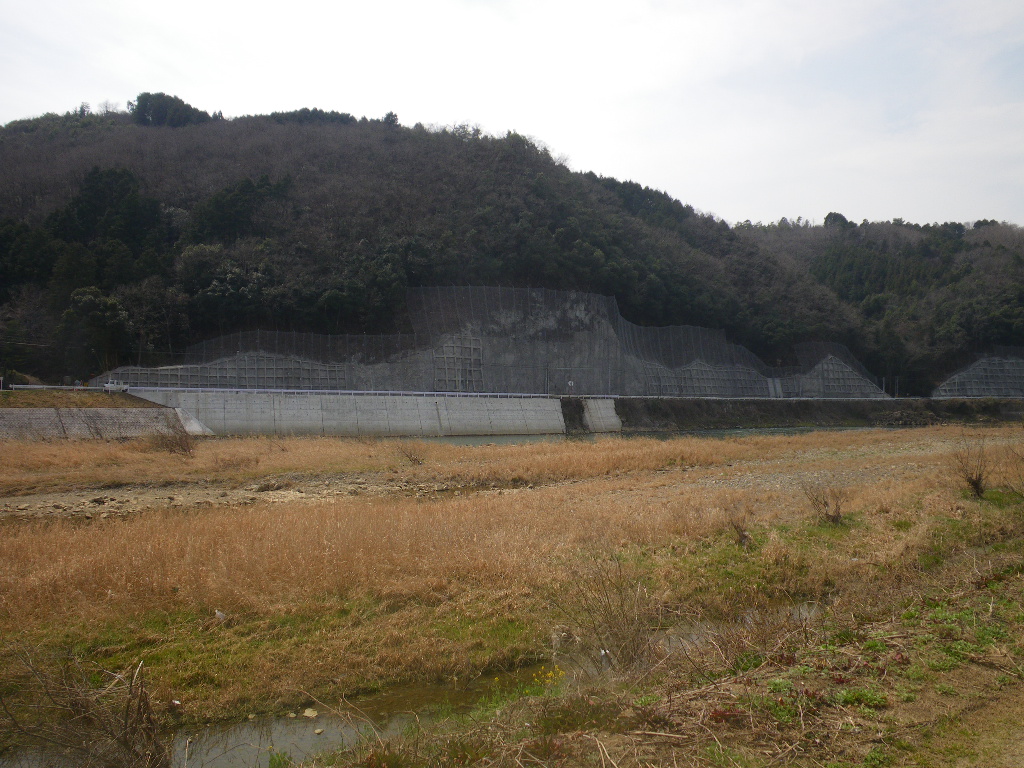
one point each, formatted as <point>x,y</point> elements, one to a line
<point>971,463</point>
<point>411,451</point>
<point>738,511</point>
<point>612,613</point>
<point>83,716</point>
<point>177,441</point>
<point>827,501</point>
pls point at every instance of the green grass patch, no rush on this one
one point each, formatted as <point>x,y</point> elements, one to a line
<point>861,697</point>
<point>578,712</point>
<point>1002,498</point>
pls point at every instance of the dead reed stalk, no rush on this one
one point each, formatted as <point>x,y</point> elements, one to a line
<point>1014,466</point>
<point>86,717</point>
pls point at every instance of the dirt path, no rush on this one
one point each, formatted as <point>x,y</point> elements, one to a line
<point>102,503</point>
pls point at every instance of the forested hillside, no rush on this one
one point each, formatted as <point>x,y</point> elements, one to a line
<point>126,236</point>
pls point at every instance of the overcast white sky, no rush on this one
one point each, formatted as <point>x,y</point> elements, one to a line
<point>743,108</point>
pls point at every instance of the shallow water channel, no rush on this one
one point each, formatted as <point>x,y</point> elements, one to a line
<point>314,729</point>
<point>318,728</point>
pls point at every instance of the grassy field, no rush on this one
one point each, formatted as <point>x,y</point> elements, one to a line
<point>318,569</point>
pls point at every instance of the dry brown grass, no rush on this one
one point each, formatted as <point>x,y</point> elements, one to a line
<point>57,465</point>
<point>264,557</point>
<point>259,557</point>
<point>668,506</point>
<point>28,398</point>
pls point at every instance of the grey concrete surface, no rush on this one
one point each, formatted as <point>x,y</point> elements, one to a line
<point>599,415</point>
<point>86,423</point>
<point>241,412</point>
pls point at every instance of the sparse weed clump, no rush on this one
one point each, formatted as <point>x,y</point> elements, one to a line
<point>827,500</point>
<point>175,441</point>
<point>861,697</point>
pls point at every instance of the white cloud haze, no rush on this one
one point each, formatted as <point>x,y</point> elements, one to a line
<point>745,108</point>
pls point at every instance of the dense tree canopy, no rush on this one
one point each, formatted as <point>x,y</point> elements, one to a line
<point>161,109</point>
<point>120,243</point>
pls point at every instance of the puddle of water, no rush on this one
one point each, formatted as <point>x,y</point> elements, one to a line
<point>251,744</point>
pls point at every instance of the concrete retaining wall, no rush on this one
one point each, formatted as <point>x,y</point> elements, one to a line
<point>599,416</point>
<point>240,412</point>
<point>234,412</point>
<point>86,423</point>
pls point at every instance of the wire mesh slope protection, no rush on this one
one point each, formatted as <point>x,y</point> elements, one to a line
<point>1000,374</point>
<point>515,341</point>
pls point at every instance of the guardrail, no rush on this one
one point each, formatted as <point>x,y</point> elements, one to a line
<point>242,391</point>
<point>417,393</point>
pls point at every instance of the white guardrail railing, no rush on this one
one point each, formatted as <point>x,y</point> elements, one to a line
<point>412,393</point>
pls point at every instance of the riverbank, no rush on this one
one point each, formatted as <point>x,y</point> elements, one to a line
<point>284,414</point>
<point>685,414</point>
<point>349,566</point>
